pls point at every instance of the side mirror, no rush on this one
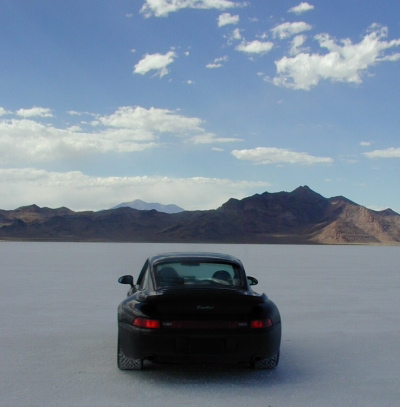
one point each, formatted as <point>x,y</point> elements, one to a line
<point>252,280</point>
<point>126,280</point>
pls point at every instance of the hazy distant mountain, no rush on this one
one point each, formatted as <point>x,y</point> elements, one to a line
<point>301,216</point>
<point>145,206</point>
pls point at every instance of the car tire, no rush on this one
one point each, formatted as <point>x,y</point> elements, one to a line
<point>269,364</point>
<point>127,363</point>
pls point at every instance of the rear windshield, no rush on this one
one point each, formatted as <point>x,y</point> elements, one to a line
<point>195,274</point>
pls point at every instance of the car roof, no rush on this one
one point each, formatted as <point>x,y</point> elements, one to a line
<point>201,256</point>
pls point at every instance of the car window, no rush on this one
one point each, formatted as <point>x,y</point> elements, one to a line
<point>144,283</point>
<point>142,274</point>
<point>193,274</point>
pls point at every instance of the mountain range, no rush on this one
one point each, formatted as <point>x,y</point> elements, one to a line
<point>298,217</point>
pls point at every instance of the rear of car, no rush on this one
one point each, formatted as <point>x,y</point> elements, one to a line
<point>198,309</point>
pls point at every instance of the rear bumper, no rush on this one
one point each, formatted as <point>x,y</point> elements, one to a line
<point>167,345</point>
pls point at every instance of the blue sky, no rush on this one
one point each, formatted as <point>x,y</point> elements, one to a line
<point>193,102</point>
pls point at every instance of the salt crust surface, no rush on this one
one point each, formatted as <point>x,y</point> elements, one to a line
<point>341,329</point>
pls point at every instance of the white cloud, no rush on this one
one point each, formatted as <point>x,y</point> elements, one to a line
<point>73,113</point>
<point>272,155</point>
<point>301,8</point>
<point>391,58</point>
<point>127,130</point>
<point>3,111</point>
<point>226,18</point>
<point>209,138</point>
<point>35,112</point>
<point>79,191</point>
<point>217,63</point>
<point>26,141</point>
<point>75,128</point>
<point>155,62</point>
<point>297,45</point>
<point>155,121</point>
<point>365,143</point>
<point>161,8</point>
<point>152,120</point>
<point>391,152</point>
<point>236,34</point>
<point>286,30</point>
<point>255,47</point>
<point>263,36</point>
<point>344,62</point>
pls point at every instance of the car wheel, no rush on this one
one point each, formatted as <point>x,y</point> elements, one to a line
<point>271,363</point>
<point>127,363</point>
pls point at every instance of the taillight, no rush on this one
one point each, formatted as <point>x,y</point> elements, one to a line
<point>146,323</point>
<point>261,323</point>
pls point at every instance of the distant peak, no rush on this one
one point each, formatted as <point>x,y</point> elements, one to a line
<point>32,207</point>
<point>304,190</point>
<point>146,206</point>
<point>341,198</point>
<point>388,212</point>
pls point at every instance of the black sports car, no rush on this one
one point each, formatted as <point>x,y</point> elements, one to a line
<point>196,307</point>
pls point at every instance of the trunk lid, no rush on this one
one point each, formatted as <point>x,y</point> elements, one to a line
<point>204,304</point>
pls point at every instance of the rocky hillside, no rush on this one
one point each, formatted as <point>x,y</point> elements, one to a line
<point>301,216</point>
